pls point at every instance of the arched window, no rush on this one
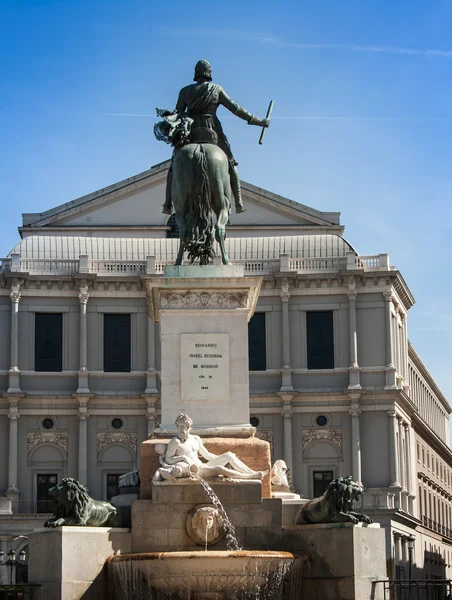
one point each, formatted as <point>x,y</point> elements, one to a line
<point>174,229</point>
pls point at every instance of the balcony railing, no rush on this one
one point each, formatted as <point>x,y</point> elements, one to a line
<point>434,526</point>
<point>30,507</point>
<point>153,266</point>
<point>413,589</point>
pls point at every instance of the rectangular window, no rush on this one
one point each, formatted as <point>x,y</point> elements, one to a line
<point>257,347</point>
<point>44,501</point>
<point>322,480</point>
<point>117,343</point>
<point>418,452</point>
<point>48,342</point>
<point>320,339</point>
<point>112,485</point>
<point>423,456</point>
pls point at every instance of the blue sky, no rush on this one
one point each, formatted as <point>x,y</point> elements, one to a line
<point>362,122</point>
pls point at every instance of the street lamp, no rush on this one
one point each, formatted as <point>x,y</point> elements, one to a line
<point>410,544</point>
<point>11,561</point>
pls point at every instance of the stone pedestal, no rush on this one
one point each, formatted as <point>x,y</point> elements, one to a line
<point>203,314</point>
<point>342,562</point>
<point>159,525</point>
<point>255,453</point>
<point>69,561</point>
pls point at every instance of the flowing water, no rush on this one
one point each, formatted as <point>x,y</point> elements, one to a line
<point>133,580</point>
<point>132,577</point>
<point>231,538</point>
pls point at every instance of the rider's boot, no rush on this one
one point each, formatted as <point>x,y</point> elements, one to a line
<point>168,206</point>
<point>235,184</point>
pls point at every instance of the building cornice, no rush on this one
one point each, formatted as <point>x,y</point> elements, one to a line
<point>417,361</point>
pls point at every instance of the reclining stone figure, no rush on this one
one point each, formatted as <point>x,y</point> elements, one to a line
<point>179,459</point>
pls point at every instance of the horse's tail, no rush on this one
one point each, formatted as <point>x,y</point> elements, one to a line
<point>199,215</point>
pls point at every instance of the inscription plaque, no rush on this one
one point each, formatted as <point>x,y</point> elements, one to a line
<point>205,366</point>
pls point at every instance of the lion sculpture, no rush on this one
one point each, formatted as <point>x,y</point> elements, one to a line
<point>74,506</point>
<point>335,505</point>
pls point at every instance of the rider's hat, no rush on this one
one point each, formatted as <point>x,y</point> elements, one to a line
<point>203,69</point>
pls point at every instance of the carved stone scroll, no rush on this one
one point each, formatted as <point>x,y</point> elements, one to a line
<point>120,437</point>
<point>34,438</point>
<point>328,434</point>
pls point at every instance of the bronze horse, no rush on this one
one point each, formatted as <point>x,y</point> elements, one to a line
<point>201,185</point>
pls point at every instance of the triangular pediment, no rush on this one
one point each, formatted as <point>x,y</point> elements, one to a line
<point>137,203</point>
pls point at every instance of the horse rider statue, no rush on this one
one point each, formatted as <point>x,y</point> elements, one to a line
<point>195,120</point>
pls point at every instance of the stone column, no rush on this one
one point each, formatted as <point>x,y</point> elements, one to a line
<point>354,369</point>
<point>151,415</point>
<point>287,416</point>
<point>390,368</point>
<point>402,466</point>
<point>286,369</point>
<point>393,458</point>
<point>83,441</point>
<point>151,374</point>
<point>13,415</point>
<point>398,559</point>
<point>408,483</point>
<point>14,373</point>
<point>356,443</point>
<point>83,385</point>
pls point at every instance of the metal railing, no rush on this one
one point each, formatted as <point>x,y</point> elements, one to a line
<point>414,589</point>
<point>18,592</point>
<point>442,529</point>
<point>31,507</point>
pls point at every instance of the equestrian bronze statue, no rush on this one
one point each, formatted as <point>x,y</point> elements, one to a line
<point>203,176</point>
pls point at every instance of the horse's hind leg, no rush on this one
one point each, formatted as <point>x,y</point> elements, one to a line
<point>220,233</point>
<point>180,254</point>
<point>181,224</point>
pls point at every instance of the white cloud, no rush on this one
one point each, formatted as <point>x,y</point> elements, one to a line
<point>274,40</point>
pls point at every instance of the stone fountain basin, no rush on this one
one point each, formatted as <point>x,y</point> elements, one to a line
<point>209,573</point>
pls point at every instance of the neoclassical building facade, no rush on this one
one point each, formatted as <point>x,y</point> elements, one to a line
<point>334,384</point>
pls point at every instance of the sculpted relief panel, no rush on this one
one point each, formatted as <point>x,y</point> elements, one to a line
<point>35,438</point>
<point>121,437</point>
<point>204,300</point>
<point>328,434</point>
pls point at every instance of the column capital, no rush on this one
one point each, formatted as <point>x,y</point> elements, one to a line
<point>83,296</point>
<point>354,412</point>
<point>83,414</point>
<point>285,290</point>
<point>388,296</point>
<point>352,294</point>
<point>286,411</point>
<point>15,294</point>
<point>13,416</point>
<point>391,413</point>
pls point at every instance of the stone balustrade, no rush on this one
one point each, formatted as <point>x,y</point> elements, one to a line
<point>153,266</point>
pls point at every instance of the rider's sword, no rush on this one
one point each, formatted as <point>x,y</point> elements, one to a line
<point>264,129</point>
